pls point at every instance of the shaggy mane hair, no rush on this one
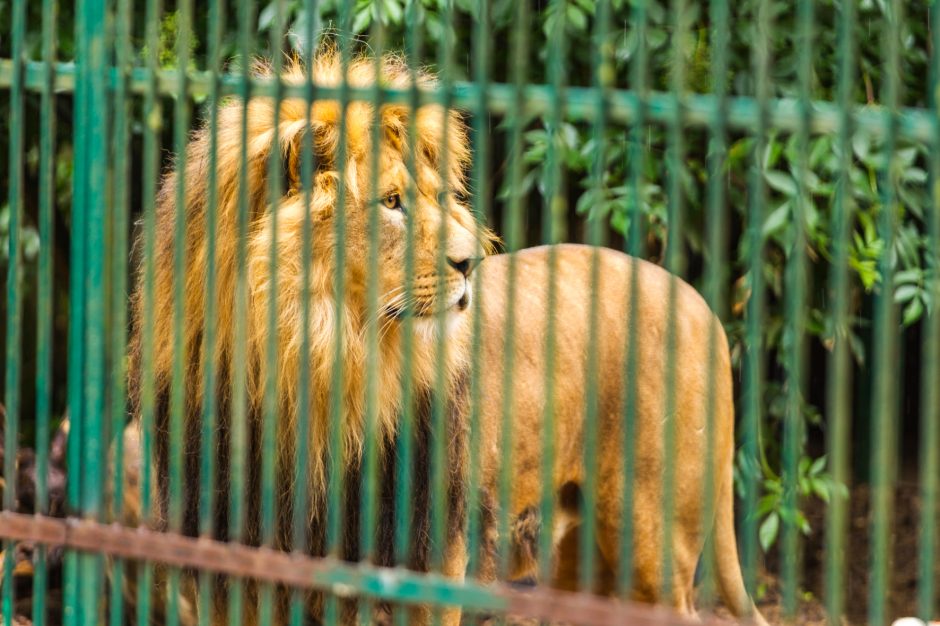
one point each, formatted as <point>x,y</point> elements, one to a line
<point>246,141</point>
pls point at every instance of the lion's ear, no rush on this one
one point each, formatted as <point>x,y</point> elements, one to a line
<point>318,145</point>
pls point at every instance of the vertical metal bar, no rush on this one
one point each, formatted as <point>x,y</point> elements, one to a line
<point>271,405</point>
<point>44,289</point>
<point>210,391</point>
<point>715,265</point>
<point>178,376</point>
<point>337,399</point>
<point>369,494</point>
<point>884,391</point>
<point>838,368</point>
<point>795,280</point>
<point>481,209</point>
<point>153,122</point>
<point>76,345</point>
<point>439,437</point>
<point>238,444</point>
<point>14,321</point>
<point>90,204</point>
<point>674,262</point>
<point>338,405</point>
<point>754,355</point>
<point>553,210</point>
<point>120,152</point>
<point>634,246</point>
<point>301,501</point>
<point>404,484</point>
<point>930,398</point>
<point>597,235</point>
<point>512,227</point>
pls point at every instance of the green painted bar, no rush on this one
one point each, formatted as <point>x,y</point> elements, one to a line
<point>14,307</point>
<point>838,367</point>
<point>90,201</point>
<point>179,382</point>
<point>270,409</point>
<point>336,487</point>
<point>439,466</point>
<point>117,316</point>
<point>404,481</point>
<point>795,305</point>
<point>208,440</point>
<point>512,232</point>
<point>743,112</point>
<point>930,397</point>
<point>44,289</point>
<point>633,245</point>
<point>716,271</point>
<point>238,442</point>
<point>602,80</point>
<point>753,370</point>
<point>404,484</point>
<point>553,211</point>
<point>674,262</point>
<point>153,123</point>
<point>481,205</point>
<point>370,467</point>
<point>884,401</point>
<point>300,531</point>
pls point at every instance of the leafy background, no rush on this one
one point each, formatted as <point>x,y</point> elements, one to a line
<point>691,39</point>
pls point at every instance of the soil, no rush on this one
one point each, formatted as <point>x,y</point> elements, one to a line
<point>901,597</point>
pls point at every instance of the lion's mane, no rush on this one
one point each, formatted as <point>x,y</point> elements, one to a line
<point>244,140</point>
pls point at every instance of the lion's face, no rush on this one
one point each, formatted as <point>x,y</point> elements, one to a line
<point>422,232</point>
<point>403,225</point>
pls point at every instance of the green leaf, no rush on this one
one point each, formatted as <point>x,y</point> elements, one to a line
<point>913,311</point>
<point>905,293</point>
<point>769,530</point>
<point>781,182</point>
<point>777,220</point>
<point>363,20</point>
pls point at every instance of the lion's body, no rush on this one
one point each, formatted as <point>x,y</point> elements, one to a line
<point>317,328</point>
<point>702,379</point>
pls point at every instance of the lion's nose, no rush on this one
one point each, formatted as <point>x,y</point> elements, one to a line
<point>464,266</point>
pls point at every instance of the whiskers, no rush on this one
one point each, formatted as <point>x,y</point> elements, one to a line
<point>397,303</point>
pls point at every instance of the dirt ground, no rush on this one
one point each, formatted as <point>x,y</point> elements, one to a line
<point>904,563</point>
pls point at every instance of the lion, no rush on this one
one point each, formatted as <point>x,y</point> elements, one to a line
<point>429,192</point>
<point>702,379</point>
<point>422,163</point>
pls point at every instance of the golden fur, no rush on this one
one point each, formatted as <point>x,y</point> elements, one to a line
<point>431,128</point>
<point>329,320</point>
<point>696,330</point>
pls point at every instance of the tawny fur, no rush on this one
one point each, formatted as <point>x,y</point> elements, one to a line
<point>430,128</point>
<point>629,292</point>
<point>432,202</point>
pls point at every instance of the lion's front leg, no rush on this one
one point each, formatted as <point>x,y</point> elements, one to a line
<point>455,568</point>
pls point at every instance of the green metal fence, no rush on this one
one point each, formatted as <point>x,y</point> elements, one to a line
<point>207,532</point>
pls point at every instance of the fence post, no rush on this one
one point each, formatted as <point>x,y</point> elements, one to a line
<point>88,289</point>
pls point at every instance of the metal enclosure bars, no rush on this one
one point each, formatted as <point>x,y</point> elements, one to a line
<point>295,332</point>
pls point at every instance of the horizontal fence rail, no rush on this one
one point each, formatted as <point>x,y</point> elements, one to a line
<point>330,575</point>
<point>623,105</point>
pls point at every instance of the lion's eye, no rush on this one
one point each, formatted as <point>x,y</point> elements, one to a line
<point>393,202</point>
